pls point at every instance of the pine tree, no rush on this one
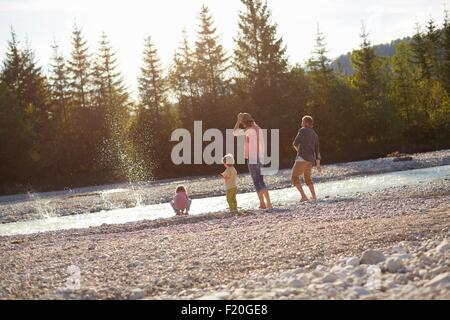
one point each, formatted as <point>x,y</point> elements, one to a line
<point>260,55</point>
<point>211,61</point>
<point>420,54</point>
<point>113,87</point>
<point>28,87</point>
<point>184,82</point>
<point>13,67</point>
<point>59,83</point>
<point>404,87</point>
<point>152,85</point>
<point>433,50</point>
<point>319,62</point>
<point>260,61</point>
<point>109,92</point>
<point>369,80</point>
<point>150,127</point>
<point>111,101</point>
<point>445,74</point>
<point>79,67</point>
<point>367,65</point>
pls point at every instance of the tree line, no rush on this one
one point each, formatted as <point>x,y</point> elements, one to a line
<point>77,125</point>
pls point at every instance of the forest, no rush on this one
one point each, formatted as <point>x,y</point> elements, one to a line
<point>79,125</point>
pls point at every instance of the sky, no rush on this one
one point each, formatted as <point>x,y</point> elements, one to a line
<point>127,23</point>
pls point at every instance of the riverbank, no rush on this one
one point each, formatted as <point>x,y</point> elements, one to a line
<point>287,253</point>
<point>96,199</point>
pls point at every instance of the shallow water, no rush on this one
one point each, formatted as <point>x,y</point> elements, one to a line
<point>280,198</point>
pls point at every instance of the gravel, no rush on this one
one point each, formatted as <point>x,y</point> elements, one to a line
<point>311,251</point>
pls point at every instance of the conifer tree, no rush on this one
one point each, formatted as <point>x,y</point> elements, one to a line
<point>152,85</point>
<point>369,81</point>
<point>211,61</point>
<point>80,70</point>
<point>319,62</point>
<point>260,54</point>
<point>445,73</point>
<point>59,83</point>
<point>260,61</point>
<point>367,68</point>
<point>433,48</point>
<point>420,54</point>
<point>184,82</point>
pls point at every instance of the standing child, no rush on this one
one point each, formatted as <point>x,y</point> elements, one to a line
<point>181,202</point>
<point>230,178</point>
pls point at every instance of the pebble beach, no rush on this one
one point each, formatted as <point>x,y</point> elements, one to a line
<point>388,244</point>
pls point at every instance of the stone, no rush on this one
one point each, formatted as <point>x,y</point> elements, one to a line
<point>136,294</point>
<point>403,256</point>
<point>298,283</point>
<point>399,249</point>
<point>394,264</point>
<point>360,291</point>
<point>353,261</point>
<point>222,295</point>
<point>359,271</point>
<point>443,247</point>
<point>295,283</point>
<point>372,257</point>
<point>321,268</point>
<point>440,280</point>
<point>287,275</point>
<point>329,278</point>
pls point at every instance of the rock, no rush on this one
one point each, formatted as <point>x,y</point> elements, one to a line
<point>353,261</point>
<point>401,279</point>
<point>283,293</point>
<point>287,275</point>
<point>91,247</point>
<point>440,280</point>
<point>426,260</point>
<point>298,283</point>
<point>222,295</point>
<point>330,277</point>
<point>299,270</point>
<point>321,268</point>
<point>394,264</point>
<point>372,257</point>
<point>403,256</point>
<point>360,291</point>
<point>443,247</point>
<point>359,271</point>
<point>399,249</point>
<point>136,294</point>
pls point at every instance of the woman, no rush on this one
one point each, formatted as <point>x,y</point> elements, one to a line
<point>254,152</point>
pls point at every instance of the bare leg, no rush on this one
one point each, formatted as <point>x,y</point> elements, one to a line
<point>302,193</point>
<point>266,195</point>
<point>261,200</point>
<point>313,192</point>
<point>297,170</point>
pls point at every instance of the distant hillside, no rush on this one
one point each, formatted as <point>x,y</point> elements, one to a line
<point>343,63</point>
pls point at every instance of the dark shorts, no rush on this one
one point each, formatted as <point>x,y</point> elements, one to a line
<point>257,177</point>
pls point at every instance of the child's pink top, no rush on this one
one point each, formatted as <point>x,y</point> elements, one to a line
<point>181,200</point>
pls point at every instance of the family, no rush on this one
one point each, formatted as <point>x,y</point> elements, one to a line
<point>306,144</point>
